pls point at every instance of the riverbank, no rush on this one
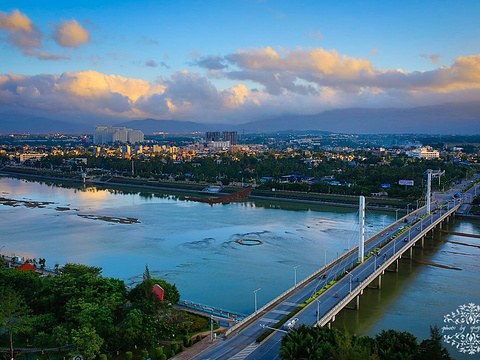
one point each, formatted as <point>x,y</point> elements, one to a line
<point>182,187</point>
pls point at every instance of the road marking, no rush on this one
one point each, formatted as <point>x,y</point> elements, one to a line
<point>281,312</point>
<point>269,320</point>
<point>245,352</point>
<point>290,303</point>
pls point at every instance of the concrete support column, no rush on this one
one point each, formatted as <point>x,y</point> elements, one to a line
<point>379,282</point>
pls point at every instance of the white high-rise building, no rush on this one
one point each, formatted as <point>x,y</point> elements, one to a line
<point>424,153</point>
<point>110,134</point>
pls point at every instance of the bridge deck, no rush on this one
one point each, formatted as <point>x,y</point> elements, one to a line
<point>371,269</point>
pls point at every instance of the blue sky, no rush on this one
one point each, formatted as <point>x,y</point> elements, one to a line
<point>234,60</point>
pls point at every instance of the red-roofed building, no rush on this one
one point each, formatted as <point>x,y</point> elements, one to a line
<point>26,267</point>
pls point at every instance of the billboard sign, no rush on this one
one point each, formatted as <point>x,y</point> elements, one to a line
<point>385,186</point>
<point>158,291</point>
<point>405,182</point>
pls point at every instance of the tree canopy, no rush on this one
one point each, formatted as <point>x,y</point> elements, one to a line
<point>80,307</point>
<point>318,343</point>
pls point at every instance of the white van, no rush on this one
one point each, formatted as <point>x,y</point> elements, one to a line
<point>289,325</point>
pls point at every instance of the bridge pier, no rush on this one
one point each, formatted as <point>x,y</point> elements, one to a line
<point>379,283</point>
<point>422,242</point>
<point>395,267</point>
<point>410,254</point>
<point>356,304</point>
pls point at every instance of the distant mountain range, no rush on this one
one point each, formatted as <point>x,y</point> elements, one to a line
<point>452,118</point>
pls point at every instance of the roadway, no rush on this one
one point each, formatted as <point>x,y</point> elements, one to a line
<point>243,345</point>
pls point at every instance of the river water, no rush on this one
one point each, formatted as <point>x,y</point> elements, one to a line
<point>193,245</point>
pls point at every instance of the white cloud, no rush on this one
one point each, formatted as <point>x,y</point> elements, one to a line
<point>71,34</point>
<point>24,35</point>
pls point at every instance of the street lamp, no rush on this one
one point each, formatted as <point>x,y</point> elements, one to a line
<point>351,280</point>
<point>295,268</point>
<point>255,292</point>
<point>318,310</point>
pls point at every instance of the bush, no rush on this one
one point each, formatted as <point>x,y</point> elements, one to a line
<point>162,357</point>
<point>158,352</point>
<point>187,341</point>
<point>181,348</point>
<point>198,338</point>
<point>128,355</point>
<point>174,347</point>
<point>102,357</point>
<point>198,324</point>
<point>144,354</point>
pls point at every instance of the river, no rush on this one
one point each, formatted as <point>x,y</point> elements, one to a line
<point>193,245</point>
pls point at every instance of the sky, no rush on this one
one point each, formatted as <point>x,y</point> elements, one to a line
<point>234,61</point>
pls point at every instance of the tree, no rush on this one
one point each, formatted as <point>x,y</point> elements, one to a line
<point>42,341</point>
<point>87,341</point>
<point>142,297</point>
<point>77,270</point>
<point>432,348</point>
<point>13,313</point>
<point>60,336</point>
<point>395,345</point>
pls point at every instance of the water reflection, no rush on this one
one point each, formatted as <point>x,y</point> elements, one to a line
<point>171,233</point>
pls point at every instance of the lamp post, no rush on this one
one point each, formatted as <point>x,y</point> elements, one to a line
<point>255,292</point>
<point>295,268</point>
<point>318,310</point>
<point>351,280</point>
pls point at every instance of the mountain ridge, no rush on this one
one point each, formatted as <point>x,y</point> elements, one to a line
<point>458,118</point>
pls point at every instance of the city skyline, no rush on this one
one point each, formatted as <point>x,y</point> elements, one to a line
<point>235,62</point>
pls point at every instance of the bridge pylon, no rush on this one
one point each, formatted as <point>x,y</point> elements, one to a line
<point>361,240</point>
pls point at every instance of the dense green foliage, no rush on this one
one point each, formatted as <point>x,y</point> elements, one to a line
<point>322,343</point>
<point>81,308</point>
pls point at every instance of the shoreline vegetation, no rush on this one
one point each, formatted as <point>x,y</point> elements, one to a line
<point>386,204</point>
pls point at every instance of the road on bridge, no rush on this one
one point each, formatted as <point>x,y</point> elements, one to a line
<point>243,345</point>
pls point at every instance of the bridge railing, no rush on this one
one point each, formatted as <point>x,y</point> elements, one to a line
<point>212,310</point>
<point>252,317</point>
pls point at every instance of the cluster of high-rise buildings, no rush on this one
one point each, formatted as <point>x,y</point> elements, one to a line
<point>105,134</point>
<point>225,139</point>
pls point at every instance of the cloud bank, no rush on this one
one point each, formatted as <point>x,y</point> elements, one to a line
<point>287,81</point>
